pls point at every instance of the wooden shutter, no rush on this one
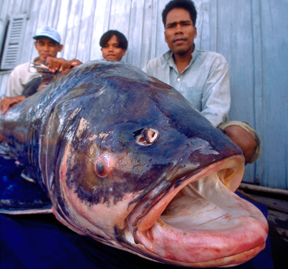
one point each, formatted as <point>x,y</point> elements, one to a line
<point>13,42</point>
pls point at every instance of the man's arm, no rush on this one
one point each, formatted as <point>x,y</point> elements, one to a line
<point>216,93</point>
<point>60,64</point>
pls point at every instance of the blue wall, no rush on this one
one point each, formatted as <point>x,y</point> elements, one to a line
<point>251,34</point>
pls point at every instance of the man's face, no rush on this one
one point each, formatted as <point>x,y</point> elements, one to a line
<point>112,51</point>
<point>47,47</point>
<point>180,31</point>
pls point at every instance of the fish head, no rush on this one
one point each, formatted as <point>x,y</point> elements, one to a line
<point>134,166</point>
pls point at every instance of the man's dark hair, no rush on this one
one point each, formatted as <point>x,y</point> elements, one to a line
<point>123,43</point>
<point>185,4</point>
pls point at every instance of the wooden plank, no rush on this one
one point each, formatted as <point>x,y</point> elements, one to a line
<point>14,7</point>
<point>153,32</point>
<point>28,51</point>
<point>136,26</point>
<point>3,82</point>
<point>161,46</point>
<point>52,18</point>
<point>100,25</point>
<point>120,18</point>
<point>85,36</point>
<point>213,25</point>
<point>202,41</point>
<point>62,24</point>
<point>235,42</point>
<point>146,33</point>
<point>258,83</point>
<point>275,81</point>
<point>73,29</point>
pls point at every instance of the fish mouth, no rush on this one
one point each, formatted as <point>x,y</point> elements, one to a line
<point>201,222</point>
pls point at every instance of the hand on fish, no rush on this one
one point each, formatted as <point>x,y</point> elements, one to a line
<point>8,102</point>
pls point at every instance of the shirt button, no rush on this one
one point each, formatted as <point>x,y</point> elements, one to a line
<point>178,79</point>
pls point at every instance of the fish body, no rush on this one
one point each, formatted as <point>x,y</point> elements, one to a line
<point>126,160</point>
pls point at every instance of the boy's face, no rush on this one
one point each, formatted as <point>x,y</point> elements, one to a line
<point>180,31</point>
<point>112,51</point>
<point>47,47</point>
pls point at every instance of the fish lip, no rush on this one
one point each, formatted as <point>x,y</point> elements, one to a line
<point>136,217</point>
<point>141,227</point>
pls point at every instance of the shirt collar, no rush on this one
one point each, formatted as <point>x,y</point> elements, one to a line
<point>168,57</point>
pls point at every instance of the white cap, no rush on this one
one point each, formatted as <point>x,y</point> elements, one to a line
<point>48,31</point>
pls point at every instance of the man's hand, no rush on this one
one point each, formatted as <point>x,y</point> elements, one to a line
<point>66,65</point>
<point>7,102</point>
<point>60,64</point>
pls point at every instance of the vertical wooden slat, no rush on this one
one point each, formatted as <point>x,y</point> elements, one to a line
<point>86,31</point>
<point>3,82</point>
<point>62,25</point>
<point>135,29</point>
<point>161,46</point>
<point>202,41</point>
<point>213,25</point>
<point>146,32</point>
<point>258,83</point>
<point>52,19</point>
<point>120,18</point>
<point>100,25</point>
<point>274,40</point>
<point>73,29</point>
<point>28,49</point>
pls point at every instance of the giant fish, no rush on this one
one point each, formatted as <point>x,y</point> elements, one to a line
<point>127,161</point>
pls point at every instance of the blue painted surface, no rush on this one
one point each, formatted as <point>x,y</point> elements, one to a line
<point>251,34</point>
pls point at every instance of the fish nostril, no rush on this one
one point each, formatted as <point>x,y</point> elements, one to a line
<point>146,137</point>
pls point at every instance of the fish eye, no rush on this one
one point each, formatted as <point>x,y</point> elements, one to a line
<point>101,165</point>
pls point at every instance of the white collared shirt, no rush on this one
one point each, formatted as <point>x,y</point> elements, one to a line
<point>204,82</point>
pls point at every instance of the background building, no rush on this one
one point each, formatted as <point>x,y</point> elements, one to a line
<point>251,34</point>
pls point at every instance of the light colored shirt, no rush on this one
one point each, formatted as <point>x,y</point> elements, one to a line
<point>204,82</point>
<point>19,77</point>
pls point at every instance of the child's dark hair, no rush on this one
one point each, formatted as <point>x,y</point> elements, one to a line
<point>123,43</point>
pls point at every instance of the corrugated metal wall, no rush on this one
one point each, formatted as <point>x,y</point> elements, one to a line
<point>251,34</point>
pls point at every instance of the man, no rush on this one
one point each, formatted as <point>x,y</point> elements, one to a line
<point>48,44</point>
<point>202,77</point>
<point>113,46</point>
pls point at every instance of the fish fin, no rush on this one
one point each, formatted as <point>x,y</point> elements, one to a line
<point>19,196</point>
<point>4,151</point>
<point>26,176</point>
<point>45,210</point>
